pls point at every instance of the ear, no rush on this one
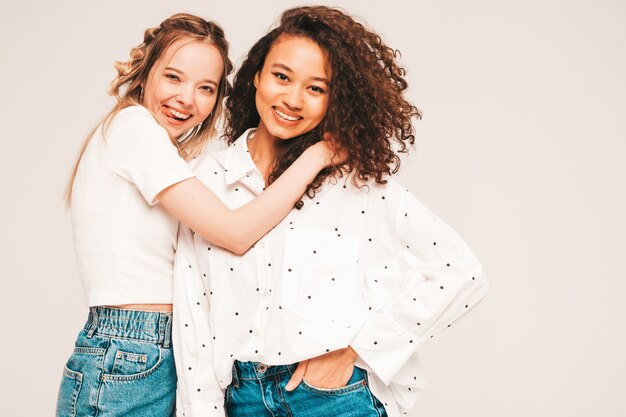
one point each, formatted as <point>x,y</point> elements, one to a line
<point>256,79</point>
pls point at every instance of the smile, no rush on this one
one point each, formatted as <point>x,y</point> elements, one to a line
<point>180,115</point>
<point>175,114</point>
<point>286,116</point>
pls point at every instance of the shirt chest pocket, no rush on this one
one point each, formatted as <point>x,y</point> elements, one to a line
<point>319,279</point>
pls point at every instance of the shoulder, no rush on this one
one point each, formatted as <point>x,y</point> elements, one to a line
<point>388,191</point>
<point>391,188</point>
<point>387,197</point>
<point>390,198</point>
<point>134,124</point>
<point>136,119</point>
<point>207,160</point>
<point>134,112</point>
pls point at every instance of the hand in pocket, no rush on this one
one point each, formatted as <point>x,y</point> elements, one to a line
<point>329,371</point>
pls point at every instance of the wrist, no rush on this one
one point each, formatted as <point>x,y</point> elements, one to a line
<point>316,155</point>
<point>350,354</point>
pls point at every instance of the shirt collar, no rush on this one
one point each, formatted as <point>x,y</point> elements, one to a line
<point>237,162</point>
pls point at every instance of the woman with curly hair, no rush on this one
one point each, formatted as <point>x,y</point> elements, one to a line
<point>130,187</point>
<point>323,316</point>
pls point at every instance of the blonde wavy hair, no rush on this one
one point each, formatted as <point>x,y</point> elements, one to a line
<point>132,75</point>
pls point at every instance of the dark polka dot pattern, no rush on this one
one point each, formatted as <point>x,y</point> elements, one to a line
<point>354,237</point>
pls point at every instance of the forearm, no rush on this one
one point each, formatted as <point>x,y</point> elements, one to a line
<point>390,337</point>
<point>253,220</point>
<point>438,279</point>
<point>236,230</point>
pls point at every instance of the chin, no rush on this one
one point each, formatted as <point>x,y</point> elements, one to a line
<point>285,137</point>
<point>283,134</point>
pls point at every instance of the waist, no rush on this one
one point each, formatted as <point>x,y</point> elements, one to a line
<point>255,370</point>
<point>144,307</point>
<point>144,326</point>
<point>149,292</point>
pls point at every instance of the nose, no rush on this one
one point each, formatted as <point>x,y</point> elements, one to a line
<point>293,98</point>
<point>185,95</point>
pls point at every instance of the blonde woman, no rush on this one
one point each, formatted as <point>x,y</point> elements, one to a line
<point>130,187</point>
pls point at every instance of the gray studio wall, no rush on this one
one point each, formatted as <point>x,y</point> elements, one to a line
<point>523,130</point>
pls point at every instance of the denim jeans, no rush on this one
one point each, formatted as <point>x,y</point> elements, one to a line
<point>122,365</point>
<point>258,390</point>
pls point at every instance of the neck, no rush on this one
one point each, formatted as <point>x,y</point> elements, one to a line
<point>262,149</point>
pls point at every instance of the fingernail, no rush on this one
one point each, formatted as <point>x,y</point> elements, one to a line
<point>289,386</point>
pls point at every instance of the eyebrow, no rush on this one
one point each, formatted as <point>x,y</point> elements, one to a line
<point>206,80</point>
<point>286,68</point>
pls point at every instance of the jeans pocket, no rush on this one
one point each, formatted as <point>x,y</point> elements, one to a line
<point>69,389</point>
<point>356,386</point>
<point>128,363</point>
<point>151,392</point>
<point>133,360</point>
<point>82,366</point>
<point>356,382</point>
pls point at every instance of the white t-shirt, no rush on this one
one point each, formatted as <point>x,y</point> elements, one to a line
<point>125,242</point>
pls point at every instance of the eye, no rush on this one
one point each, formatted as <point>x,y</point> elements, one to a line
<point>207,89</point>
<point>317,89</point>
<point>171,76</point>
<point>281,76</point>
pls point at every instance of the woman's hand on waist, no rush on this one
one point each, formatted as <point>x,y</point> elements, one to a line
<point>331,370</point>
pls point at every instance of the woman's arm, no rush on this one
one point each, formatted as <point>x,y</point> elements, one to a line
<point>236,230</point>
<point>437,280</point>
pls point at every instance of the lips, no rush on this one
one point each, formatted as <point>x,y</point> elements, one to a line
<point>174,116</point>
<point>286,115</point>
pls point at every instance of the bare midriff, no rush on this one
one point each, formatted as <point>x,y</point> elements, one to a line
<point>145,307</point>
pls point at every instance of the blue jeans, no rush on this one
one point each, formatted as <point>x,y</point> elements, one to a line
<point>258,390</point>
<point>122,365</point>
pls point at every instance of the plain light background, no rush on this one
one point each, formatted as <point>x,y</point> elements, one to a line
<point>519,150</point>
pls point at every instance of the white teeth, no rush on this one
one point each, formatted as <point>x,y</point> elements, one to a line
<point>180,115</point>
<point>287,117</point>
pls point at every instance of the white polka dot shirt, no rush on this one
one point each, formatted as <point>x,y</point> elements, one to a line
<point>367,267</point>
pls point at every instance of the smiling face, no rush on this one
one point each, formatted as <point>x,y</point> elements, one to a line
<point>292,88</point>
<point>182,92</point>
